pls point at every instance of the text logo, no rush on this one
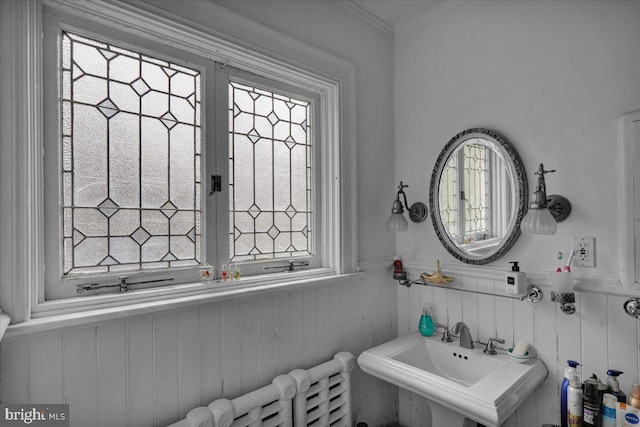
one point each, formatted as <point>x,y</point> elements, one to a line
<point>632,418</point>
<point>34,415</point>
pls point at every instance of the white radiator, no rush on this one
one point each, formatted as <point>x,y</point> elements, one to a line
<point>321,398</point>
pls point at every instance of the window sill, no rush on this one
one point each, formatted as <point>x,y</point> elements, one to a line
<point>63,314</point>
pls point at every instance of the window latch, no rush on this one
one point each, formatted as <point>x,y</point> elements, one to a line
<point>216,184</point>
<point>290,267</point>
<point>122,285</point>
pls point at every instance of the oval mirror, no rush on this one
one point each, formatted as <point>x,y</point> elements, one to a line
<point>478,196</point>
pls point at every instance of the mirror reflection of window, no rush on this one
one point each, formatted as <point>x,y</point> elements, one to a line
<point>474,212</point>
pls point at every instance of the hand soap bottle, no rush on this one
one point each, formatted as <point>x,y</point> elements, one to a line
<point>516,280</point>
<point>613,386</point>
<point>569,372</point>
<point>426,326</point>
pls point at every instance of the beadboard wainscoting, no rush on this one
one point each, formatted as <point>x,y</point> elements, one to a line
<point>599,335</point>
<point>151,370</point>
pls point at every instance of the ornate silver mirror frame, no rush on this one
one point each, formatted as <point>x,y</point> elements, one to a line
<point>503,178</point>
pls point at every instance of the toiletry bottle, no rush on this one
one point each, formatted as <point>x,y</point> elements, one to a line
<point>426,326</point>
<point>609,410</point>
<point>564,390</point>
<point>516,280</point>
<point>634,399</point>
<point>590,404</point>
<point>224,272</point>
<point>574,402</point>
<point>613,386</point>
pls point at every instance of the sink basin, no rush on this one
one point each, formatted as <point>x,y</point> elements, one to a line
<point>482,387</point>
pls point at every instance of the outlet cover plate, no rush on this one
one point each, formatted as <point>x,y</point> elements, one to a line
<point>585,251</point>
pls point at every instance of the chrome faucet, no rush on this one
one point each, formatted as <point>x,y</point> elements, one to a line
<point>462,330</point>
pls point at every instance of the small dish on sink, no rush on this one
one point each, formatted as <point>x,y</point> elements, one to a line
<point>518,358</point>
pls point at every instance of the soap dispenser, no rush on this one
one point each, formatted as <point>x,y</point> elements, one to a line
<point>516,280</point>
<point>426,326</point>
<point>613,386</point>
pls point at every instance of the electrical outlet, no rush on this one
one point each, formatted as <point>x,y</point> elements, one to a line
<point>585,251</point>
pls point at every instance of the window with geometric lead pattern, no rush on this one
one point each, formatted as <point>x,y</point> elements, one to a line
<point>131,153</point>
<point>270,165</point>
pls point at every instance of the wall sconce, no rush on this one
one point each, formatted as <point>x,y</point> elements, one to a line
<point>545,212</point>
<point>397,221</point>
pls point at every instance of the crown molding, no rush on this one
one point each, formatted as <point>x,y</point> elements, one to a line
<point>367,16</point>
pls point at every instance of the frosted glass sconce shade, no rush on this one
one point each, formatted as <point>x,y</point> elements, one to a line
<point>544,212</point>
<point>397,221</point>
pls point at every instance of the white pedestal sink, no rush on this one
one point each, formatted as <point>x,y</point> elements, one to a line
<point>472,384</point>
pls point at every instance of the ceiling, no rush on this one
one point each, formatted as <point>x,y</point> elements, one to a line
<point>395,14</point>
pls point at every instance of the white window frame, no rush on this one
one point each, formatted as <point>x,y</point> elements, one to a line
<point>21,268</point>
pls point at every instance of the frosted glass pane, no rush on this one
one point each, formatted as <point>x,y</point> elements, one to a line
<point>66,85</point>
<point>124,69</point>
<point>264,243</point>
<point>89,90</point>
<point>182,247</point>
<point>182,85</point>
<point>155,77</point>
<point>264,174</point>
<point>243,173</point>
<point>67,223</point>
<point>264,222</point>
<point>89,60</point>
<point>124,250</point>
<point>124,222</point>
<point>182,110</point>
<point>281,174</point>
<point>155,158</point>
<point>124,97</point>
<point>67,185</point>
<point>90,252</point>
<point>90,156</point>
<point>67,255</point>
<point>299,241</point>
<point>298,114</point>
<point>182,167</point>
<point>298,134</point>
<point>90,222</point>
<point>67,119</point>
<point>243,101</point>
<point>243,222</point>
<point>264,127</point>
<point>66,154</point>
<point>282,242</point>
<point>244,244</point>
<point>299,178</point>
<point>182,222</point>
<point>282,221</point>
<point>282,110</point>
<point>243,123</point>
<point>66,52</point>
<point>155,248</point>
<point>155,104</point>
<point>263,106</point>
<point>155,223</point>
<point>124,160</point>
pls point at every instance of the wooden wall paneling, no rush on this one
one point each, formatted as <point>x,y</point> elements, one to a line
<point>250,321</point>
<point>438,304</point>
<point>404,296</point>
<point>547,394</point>
<point>504,319</point>
<point>622,345</point>
<point>569,337</point>
<point>469,306</point>
<point>190,382</point>
<point>231,349</point>
<point>140,374</point>
<point>14,371</point>
<point>165,356</point>
<point>111,353</point>
<point>283,333</point>
<point>46,369</point>
<point>80,370</point>
<point>335,318</point>
<point>310,331</point>
<point>296,329</point>
<point>593,313</point>
<point>211,333</point>
<point>346,317</point>
<point>486,326</point>
<point>267,339</point>
<point>454,308</point>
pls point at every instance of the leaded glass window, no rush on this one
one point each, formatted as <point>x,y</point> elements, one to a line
<point>465,194</point>
<point>270,166</point>
<point>131,153</point>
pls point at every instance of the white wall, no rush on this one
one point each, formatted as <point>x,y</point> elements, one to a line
<point>150,370</point>
<point>553,77</point>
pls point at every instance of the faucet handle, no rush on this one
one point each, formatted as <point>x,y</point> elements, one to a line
<point>446,336</point>
<point>490,348</point>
